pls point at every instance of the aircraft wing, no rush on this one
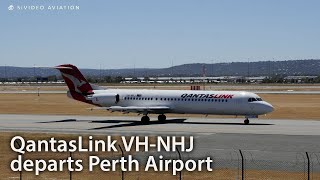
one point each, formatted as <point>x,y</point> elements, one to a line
<point>137,109</point>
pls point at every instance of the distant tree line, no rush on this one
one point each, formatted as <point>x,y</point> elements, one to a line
<point>105,79</point>
<point>118,79</point>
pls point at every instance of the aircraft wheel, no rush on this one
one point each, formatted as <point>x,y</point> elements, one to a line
<point>162,117</point>
<point>246,122</point>
<point>145,119</point>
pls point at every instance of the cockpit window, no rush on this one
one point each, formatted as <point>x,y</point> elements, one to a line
<point>254,99</point>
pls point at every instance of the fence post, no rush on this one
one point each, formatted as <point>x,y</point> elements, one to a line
<point>17,144</point>
<point>308,165</point>
<point>180,173</point>
<point>242,165</point>
<point>122,173</point>
<point>21,169</point>
<point>70,172</point>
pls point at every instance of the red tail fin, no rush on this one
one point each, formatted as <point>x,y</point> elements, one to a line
<point>74,79</point>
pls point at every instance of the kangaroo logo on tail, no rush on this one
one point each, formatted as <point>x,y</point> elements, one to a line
<point>74,79</point>
<point>76,82</point>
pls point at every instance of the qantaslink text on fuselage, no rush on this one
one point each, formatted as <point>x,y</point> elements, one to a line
<point>218,96</point>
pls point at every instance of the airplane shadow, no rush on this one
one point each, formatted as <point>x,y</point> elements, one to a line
<point>168,121</point>
<point>133,123</point>
<point>59,121</point>
<point>129,123</point>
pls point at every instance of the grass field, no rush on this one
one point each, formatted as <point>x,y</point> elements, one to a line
<point>287,106</point>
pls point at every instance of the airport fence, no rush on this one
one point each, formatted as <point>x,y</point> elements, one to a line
<point>227,164</point>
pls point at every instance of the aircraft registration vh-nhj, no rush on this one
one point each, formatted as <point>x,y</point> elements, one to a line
<point>238,103</point>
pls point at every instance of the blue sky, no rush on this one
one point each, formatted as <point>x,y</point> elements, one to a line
<point>152,34</point>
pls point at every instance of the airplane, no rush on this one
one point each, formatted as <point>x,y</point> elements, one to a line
<point>161,102</point>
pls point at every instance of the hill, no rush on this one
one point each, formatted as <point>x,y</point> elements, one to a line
<point>261,68</point>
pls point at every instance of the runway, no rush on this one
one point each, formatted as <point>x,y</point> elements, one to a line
<point>132,124</point>
<point>277,142</point>
<point>260,134</point>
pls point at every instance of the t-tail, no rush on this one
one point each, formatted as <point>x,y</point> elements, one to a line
<point>78,85</point>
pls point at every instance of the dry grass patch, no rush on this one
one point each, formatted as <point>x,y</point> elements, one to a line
<point>288,106</point>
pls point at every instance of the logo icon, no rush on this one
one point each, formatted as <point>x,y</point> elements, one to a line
<point>11,7</point>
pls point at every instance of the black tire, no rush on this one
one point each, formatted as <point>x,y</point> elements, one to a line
<point>162,118</point>
<point>145,119</point>
<point>246,122</point>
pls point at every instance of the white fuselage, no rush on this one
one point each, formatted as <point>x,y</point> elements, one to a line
<point>185,101</point>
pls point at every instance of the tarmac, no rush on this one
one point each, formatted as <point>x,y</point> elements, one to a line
<point>265,144</point>
<point>220,133</point>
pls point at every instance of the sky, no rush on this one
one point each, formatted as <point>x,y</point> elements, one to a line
<point>156,34</point>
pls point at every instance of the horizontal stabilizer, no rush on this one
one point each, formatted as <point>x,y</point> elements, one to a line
<point>96,87</point>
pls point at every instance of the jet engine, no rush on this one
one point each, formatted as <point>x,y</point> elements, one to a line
<point>105,98</point>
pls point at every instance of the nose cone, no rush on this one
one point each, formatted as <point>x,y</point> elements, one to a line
<point>262,107</point>
<point>267,108</point>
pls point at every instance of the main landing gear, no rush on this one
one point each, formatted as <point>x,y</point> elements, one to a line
<point>246,121</point>
<point>145,119</point>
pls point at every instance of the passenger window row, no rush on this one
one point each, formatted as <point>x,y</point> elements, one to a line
<point>176,99</point>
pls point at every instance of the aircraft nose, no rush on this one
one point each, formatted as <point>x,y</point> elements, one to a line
<point>268,107</point>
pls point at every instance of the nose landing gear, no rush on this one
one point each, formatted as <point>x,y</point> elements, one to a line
<point>246,121</point>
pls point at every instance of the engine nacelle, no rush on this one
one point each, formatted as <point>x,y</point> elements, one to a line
<point>105,98</point>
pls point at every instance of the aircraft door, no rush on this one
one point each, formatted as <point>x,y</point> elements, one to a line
<point>117,98</point>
